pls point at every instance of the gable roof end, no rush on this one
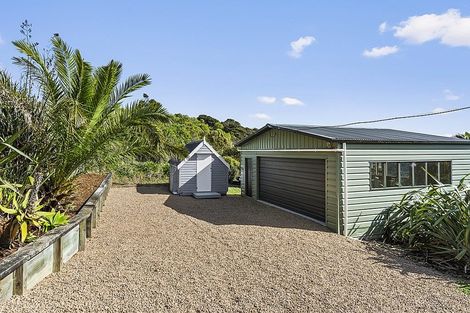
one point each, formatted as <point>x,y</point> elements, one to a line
<point>197,148</point>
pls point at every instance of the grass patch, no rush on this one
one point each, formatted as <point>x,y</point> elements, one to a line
<point>234,191</point>
<point>465,288</point>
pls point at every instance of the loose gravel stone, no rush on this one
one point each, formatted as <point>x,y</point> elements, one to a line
<point>155,252</point>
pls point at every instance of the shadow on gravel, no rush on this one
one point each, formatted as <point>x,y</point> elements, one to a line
<point>230,210</point>
<point>152,189</point>
<point>237,210</point>
<point>396,259</point>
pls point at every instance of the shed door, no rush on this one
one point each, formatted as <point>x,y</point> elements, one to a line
<point>204,172</point>
<point>294,184</point>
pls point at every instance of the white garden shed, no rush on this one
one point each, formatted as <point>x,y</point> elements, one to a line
<point>203,173</point>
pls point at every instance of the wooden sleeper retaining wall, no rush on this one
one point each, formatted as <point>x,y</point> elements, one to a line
<point>26,267</point>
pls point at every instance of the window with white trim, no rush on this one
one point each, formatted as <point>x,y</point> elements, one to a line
<point>409,174</point>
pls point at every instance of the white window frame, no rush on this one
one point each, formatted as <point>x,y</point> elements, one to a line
<point>412,174</point>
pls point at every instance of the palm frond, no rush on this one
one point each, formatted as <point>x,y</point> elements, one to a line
<point>82,80</point>
<point>131,84</point>
<point>36,62</point>
<point>64,63</point>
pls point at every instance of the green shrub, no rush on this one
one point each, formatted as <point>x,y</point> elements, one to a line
<point>234,171</point>
<point>434,221</point>
<point>132,171</point>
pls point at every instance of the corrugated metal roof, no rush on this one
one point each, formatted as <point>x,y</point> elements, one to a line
<point>361,135</point>
<point>192,145</point>
<point>174,161</point>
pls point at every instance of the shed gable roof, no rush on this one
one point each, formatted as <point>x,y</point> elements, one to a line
<point>195,148</point>
<point>192,145</point>
<point>360,135</point>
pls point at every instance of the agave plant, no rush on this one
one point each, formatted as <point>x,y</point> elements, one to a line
<point>24,211</point>
<point>84,112</point>
<point>21,211</point>
<point>52,219</point>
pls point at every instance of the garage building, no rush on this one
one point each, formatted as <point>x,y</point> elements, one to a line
<point>346,177</point>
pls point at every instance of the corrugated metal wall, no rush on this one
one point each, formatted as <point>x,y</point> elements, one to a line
<point>365,205</point>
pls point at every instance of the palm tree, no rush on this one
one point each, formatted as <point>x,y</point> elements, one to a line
<point>83,109</point>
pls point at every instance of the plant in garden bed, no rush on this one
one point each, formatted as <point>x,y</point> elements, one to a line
<point>24,213</point>
<point>435,222</point>
<point>51,220</point>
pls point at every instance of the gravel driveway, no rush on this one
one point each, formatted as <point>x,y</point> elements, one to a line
<point>153,252</point>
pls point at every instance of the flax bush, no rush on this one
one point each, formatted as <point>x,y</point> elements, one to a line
<point>435,222</point>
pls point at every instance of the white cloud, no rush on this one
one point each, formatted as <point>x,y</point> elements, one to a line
<point>292,101</point>
<point>450,28</point>
<point>260,116</point>
<point>450,96</point>
<point>383,27</point>
<point>438,110</point>
<point>266,99</point>
<point>298,46</point>
<point>378,52</point>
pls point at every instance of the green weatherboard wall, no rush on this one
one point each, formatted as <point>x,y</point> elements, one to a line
<point>364,206</point>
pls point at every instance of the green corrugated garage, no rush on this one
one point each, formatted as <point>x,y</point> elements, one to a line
<point>346,177</point>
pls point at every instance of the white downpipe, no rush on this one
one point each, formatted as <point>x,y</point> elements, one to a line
<point>345,200</point>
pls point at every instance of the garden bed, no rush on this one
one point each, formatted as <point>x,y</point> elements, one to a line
<point>23,269</point>
<point>85,186</point>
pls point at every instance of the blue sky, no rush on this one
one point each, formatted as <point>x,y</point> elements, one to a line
<point>225,58</point>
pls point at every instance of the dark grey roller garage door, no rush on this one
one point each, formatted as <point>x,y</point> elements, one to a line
<point>294,184</point>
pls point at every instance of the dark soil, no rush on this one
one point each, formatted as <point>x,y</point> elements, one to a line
<point>6,252</point>
<point>85,186</point>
